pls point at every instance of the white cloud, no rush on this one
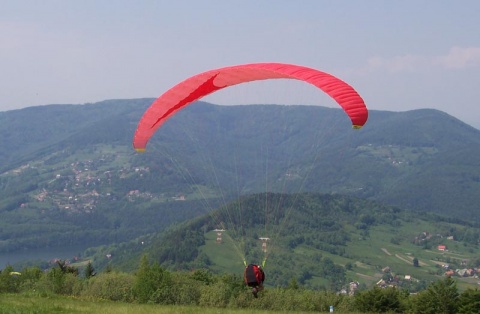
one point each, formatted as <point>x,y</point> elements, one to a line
<point>457,58</point>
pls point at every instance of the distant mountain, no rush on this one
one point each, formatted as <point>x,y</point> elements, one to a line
<point>69,174</point>
<point>29,132</point>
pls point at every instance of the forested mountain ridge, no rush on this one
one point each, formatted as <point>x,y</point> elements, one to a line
<point>29,132</point>
<point>69,174</point>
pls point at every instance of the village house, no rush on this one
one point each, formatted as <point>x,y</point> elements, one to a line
<point>450,273</point>
<point>352,287</point>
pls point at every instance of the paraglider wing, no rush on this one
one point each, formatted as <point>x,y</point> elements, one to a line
<point>211,81</point>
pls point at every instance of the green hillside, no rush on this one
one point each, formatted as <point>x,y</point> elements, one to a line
<point>322,241</point>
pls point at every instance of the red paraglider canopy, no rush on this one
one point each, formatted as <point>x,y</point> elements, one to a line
<point>208,82</point>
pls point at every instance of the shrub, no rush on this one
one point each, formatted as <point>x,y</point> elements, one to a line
<point>29,278</point>
<point>203,275</point>
<point>379,300</point>
<point>110,286</point>
<point>216,295</point>
<point>440,297</point>
<point>185,291</point>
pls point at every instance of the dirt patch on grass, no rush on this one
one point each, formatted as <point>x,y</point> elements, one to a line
<point>386,252</point>
<point>409,260</point>
<point>368,277</point>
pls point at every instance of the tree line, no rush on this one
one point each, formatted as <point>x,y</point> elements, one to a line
<point>151,283</point>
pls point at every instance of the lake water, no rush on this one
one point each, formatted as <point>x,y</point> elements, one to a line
<point>41,254</point>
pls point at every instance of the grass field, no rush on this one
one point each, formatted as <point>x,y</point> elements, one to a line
<point>227,254</point>
<point>24,304</point>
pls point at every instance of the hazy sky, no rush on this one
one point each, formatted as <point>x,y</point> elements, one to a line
<point>399,55</point>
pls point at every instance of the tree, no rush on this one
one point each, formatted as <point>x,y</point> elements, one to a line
<point>160,282</point>
<point>440,297</point>
<point>8,283</point>
<point>142,288</point>
<point>109,268</point>
<point>204,276</point>
<point>348,266</point>
<point>379,300</point>
<point>55,280</point>
<point>67,269</point>
<point>152,283</point>
<point>293,284</point>
<point>469,301</point>
<point>415,262</point>
<point>89,271</point>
